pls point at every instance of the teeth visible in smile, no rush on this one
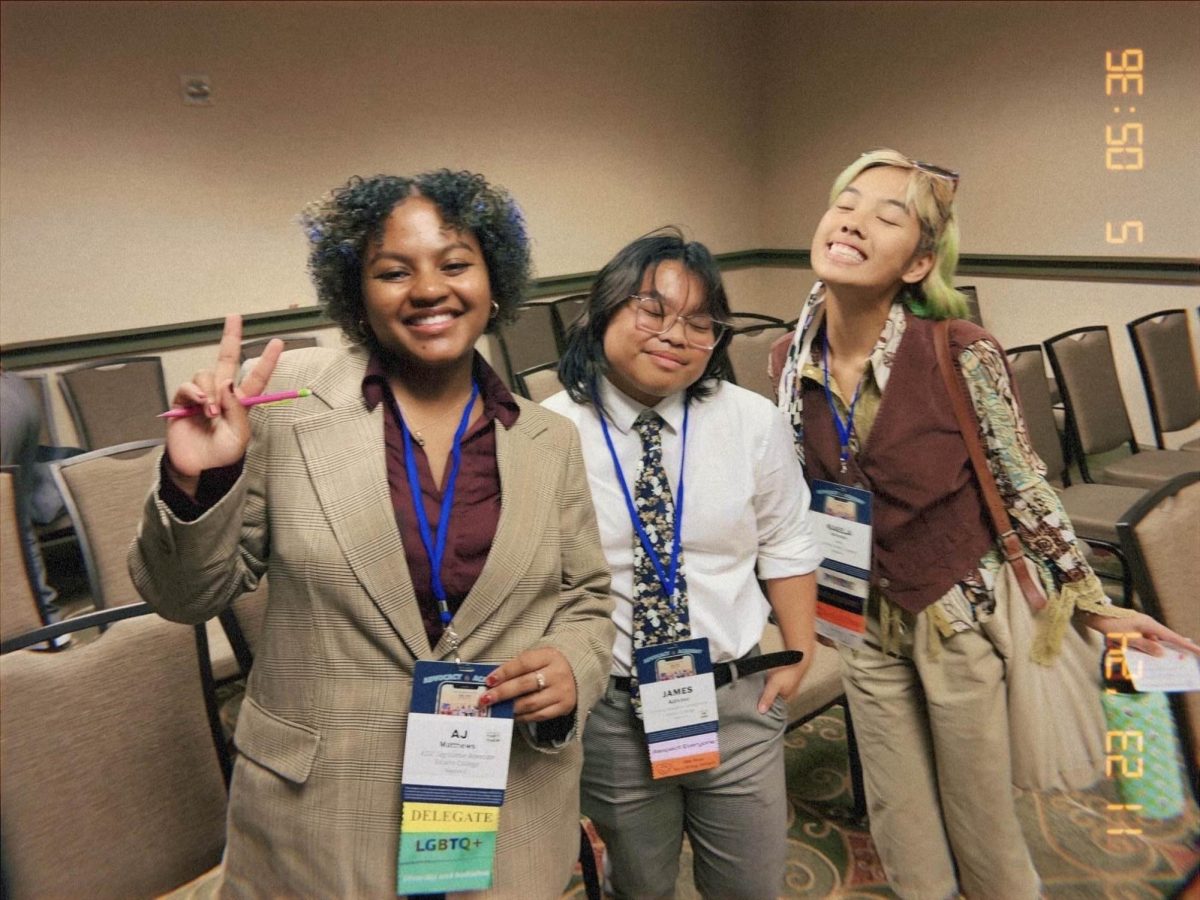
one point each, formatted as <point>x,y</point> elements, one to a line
<point>432,320</point>
<point>845,252</point>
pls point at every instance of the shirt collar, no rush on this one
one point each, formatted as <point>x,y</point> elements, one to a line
<point>882,356</point>
<point>623,410</point>
<point>498,402</point>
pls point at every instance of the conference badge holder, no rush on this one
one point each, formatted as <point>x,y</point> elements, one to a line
<point>842,516</point>
<point>455,774</point>
<point>679,706</point>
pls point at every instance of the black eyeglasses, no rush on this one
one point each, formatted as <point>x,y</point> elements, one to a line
<point>700,330</point>
<point>929,169</point>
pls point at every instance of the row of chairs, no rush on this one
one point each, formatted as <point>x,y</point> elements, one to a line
<point>142,816</point>
<point>1096,413</point>
<point>135,818</point>
<point>104,491</point>
<point>531,346</point>
<point>114,401</point>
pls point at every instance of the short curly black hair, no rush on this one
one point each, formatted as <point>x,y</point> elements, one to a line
<point>340,226</point>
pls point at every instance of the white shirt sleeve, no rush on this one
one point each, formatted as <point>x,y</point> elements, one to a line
<point>786,543</point>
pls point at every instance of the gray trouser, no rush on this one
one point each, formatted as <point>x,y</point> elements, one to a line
<point>735,815</point>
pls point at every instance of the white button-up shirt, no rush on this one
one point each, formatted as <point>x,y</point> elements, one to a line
<point>746,508</point>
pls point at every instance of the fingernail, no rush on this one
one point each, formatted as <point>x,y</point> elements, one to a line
<point>486,700</point>
<point>490,681</point>
<point>214,410</point>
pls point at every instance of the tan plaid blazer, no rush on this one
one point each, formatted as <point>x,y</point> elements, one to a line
<point>315,804</point>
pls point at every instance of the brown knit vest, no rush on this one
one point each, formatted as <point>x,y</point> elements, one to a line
<point>930,526</point>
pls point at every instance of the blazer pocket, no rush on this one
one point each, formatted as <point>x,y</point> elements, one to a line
<point>284,747</point>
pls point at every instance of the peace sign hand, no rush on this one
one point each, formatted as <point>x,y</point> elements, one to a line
<point>220,435</point>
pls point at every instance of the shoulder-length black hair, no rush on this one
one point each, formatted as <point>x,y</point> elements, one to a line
<point>583,362</point>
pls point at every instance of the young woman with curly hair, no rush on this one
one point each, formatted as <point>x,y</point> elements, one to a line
<point>326,497</point>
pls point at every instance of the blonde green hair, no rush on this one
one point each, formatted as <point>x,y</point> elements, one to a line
<point>931,199</point>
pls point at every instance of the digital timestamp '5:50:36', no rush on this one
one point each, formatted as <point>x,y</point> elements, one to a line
<point>1123,142</point>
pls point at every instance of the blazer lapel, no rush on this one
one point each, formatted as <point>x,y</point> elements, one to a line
<point>343,452</point>
<point>524,505</point>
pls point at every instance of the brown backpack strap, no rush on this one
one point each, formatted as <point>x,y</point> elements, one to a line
<point>1010,544</point>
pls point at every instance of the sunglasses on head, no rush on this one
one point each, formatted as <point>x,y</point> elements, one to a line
<point>929,169</point>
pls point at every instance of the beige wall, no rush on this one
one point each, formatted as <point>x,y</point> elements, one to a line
<point>1011,94</point>
<point>121,207</point>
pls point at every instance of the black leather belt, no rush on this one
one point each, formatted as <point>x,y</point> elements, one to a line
<point>723,673</point>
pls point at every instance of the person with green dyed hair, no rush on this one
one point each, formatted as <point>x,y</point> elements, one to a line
<point>928,664</point>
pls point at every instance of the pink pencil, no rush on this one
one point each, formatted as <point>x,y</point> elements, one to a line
<point>183,412</point>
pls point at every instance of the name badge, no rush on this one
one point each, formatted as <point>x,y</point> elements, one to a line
<point>842,516</point>
<point>455,774</point>
<point>679,707</point>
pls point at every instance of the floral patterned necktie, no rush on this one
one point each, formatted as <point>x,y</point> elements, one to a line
<point>655,620</point>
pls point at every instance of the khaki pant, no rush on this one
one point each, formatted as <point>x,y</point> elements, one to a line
<point>932,732</point>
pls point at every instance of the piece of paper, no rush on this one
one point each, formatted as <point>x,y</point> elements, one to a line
<point>1175,670</point>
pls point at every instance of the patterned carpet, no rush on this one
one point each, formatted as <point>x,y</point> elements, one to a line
<point>831,855</point>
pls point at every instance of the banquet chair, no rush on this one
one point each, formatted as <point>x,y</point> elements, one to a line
<point>252,348</point>
<point>538,382</point>
<point>114,401</point>
<point>113,780</point>
<point>749,350</point>
<point>1097,421</point>
<point>972,295</point>
<point>1159,536</point>
<point>565,312</point>
<point>1094,509</point>
<point>820,691</point>
<point>528,341</point>
<point>1164,354</point>
<point>18,600</point>
<point>105,491</point>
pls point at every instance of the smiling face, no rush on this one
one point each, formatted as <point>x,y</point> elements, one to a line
<point>425,288</point>
<point>867,240</point>
<point>649,367</point>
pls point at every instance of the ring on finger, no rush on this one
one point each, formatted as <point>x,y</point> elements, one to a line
<point>541,680</point>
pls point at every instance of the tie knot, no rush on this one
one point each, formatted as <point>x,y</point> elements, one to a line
<point>648,424</point>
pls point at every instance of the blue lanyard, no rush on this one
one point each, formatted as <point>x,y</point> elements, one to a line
<point>436,547</point>
<point>844,430</point>
<point>667,578</point>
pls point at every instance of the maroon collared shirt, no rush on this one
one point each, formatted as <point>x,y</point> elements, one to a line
<point>473,517</point>
<point>476,509</point>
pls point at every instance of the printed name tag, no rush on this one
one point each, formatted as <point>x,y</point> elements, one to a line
<point>455,773</point>
<point>679,707</point>
<point>842,516</point>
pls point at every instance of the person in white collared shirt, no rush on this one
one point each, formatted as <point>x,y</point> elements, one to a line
<point>653,336</point>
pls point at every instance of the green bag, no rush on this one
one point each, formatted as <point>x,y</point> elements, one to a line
<point>1143,752</point>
